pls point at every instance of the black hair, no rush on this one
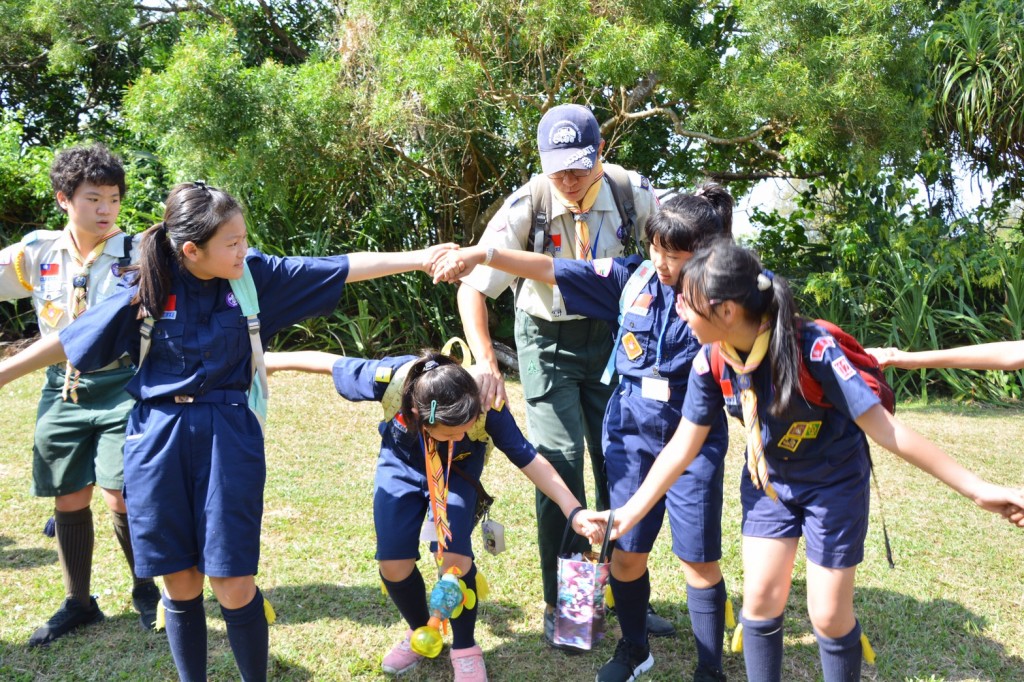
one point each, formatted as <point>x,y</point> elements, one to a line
<point>688,221</point>
<point>93,163</point>
<point>437,381</point>
<point>726,272</point>
<point>193,213</point>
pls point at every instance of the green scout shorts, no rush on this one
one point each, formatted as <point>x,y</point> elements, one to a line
<point>78,444</point>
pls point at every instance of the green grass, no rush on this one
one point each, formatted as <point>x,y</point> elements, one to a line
<point>950,611</point>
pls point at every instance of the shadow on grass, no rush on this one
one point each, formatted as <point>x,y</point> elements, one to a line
<point>24,557</point>
<point>912,638</point>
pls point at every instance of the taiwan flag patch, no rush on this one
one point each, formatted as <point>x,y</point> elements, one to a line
<point>49,269</point>
<point>170,309</point>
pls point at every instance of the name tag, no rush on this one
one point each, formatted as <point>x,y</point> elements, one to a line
<point>655,388</point>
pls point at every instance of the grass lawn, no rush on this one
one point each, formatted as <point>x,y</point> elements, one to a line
<point>951,610</point>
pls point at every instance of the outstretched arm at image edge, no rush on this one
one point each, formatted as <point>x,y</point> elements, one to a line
<point>1002,355</point>
<point>43,353</point>
<point>670,464</point>
<point>903,441</point>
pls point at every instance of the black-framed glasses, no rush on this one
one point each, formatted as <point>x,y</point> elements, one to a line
<point>576,173</point>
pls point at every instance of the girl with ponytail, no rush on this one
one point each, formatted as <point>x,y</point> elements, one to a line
<point>433,422</point>
<point>193,456</point>
<point>807,467</point>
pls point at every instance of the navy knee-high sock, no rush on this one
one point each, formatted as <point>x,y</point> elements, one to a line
<point>707,618</point>
<point>464,627</point>
<point>410,596</point>
<point>249,638</point>
<point>631,601</point>
<point>840,658</point>
<point>762,649</point>
<point>186,633</point>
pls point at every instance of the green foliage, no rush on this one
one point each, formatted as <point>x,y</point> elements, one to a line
<point>978,75</point>
<point>868,255</point>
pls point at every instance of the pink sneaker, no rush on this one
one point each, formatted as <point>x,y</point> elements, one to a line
<point>469,664</point>
<point>401,658</point>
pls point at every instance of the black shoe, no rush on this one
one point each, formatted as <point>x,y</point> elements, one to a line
<point>658,626</point>
<point>629,662</point>
<point>549,636</point>
<point>705,673</point>
<point>71,614</point>
<point>145,597</point>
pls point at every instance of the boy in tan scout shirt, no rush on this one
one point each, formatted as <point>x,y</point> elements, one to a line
<point>80,426</point>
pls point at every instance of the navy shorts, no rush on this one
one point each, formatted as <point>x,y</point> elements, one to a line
<point>194,478</point>
<point>823,498</point>
<point>401,501</point>
<point>636,430</point>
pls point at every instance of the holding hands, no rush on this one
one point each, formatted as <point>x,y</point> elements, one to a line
<point>453,265</point>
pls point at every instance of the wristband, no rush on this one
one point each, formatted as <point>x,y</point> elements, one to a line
<point>489,256</point>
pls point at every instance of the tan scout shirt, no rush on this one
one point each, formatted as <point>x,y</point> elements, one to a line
<point>510,227</point>
<point>43,262</point>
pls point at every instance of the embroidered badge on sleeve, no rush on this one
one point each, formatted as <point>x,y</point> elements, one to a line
<point>819,347</point>
<point>843,369</point>
<point>603,266</point>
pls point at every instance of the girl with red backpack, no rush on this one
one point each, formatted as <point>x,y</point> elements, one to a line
<point>807,468</point>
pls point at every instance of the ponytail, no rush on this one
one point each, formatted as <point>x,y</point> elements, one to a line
<point>726,272</point>
<point>156,255</point>
<point>687,222</point>
<point>193,213</point>
<point>438,390</point>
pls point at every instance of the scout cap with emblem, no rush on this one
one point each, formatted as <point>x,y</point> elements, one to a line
<point>568,137</point>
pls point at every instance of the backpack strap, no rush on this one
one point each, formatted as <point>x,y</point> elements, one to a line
<point>622,190</point>
<point>126,251</point>
<point>244,290</point>
<point>146,333</point>
<point>634,285</point>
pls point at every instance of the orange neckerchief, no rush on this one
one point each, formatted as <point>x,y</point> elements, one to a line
<point>437,483</point>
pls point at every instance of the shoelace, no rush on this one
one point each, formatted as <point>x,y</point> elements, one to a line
<point>468,664</point>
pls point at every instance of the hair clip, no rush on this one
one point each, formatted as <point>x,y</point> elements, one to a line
<point>429,365</point>
<point>764,280</point>
<point>433,409</point>
<point>200,184</point>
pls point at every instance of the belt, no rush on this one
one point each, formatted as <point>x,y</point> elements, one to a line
<point>218,396</point>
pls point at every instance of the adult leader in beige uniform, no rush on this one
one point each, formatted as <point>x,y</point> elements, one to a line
<point>561,357</point>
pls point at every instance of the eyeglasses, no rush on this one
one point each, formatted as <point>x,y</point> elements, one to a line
<point>576,173</point>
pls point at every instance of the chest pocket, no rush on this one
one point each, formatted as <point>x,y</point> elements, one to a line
<point>49,289</point>
<point>168,350</point>
<point>233,333</point>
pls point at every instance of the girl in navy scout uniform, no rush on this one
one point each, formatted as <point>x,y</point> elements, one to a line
<point>653,353</point>
<point>807,466</point>
<point>194,458</point>
<point>435,420</point>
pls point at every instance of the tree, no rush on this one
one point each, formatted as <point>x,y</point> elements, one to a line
<point>977,53</point>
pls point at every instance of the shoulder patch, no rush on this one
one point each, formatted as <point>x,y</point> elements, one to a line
<point>843,369</point>
<point>700,363</point>
<point>819,347</point>
<point>383,374</point>
<point>603,266</point>
<point>644,183</point>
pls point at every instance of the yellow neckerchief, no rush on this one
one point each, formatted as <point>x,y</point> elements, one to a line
<point>748,399</point>
<point>437,484</point>
<point>580,210</point>
<point>79,298</point>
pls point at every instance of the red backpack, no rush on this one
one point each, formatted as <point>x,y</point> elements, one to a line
<point>864,363</point>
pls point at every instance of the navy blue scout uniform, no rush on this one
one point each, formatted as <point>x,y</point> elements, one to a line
<point>401,497</point>
<point>194,460</point>
<point>656,344</point>
<point>817,456</point>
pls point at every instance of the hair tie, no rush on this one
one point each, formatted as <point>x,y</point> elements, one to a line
<point>162,227</point>
<point>433,408</point>
<point>200,184</point>
<point>764,280</point>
